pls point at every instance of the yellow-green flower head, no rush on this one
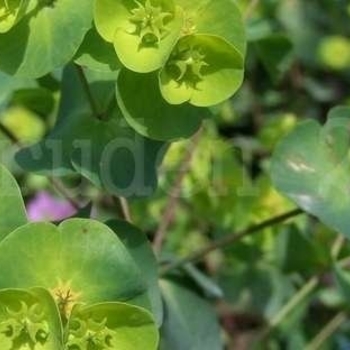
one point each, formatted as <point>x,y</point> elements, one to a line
<point>334,52</point>
<point>143,32</point>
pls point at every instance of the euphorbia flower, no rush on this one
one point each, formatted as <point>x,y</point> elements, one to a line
<point>206,66</point>
<point>143,32</point>
<point>202,70</point>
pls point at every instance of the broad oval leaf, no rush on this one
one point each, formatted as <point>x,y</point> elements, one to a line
<point>311,166</point>
<point>151,115</point>
<point>80,258</point>
<point>190,322</point>
<point>140,249</point>
<point>96,54</point>
<point>215,17</point>
<point>12,210</point>
<point>46,38</point>
<point>113,326</point>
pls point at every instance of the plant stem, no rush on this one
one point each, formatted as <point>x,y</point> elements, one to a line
<point>297,298</point>
<point>169,211</point>
<point>123,207</point>
<point>232,238</point>
<point>88,92</point>
<point>327,331</point>
<point>337,246</point>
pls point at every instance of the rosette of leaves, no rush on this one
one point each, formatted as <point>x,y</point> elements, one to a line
<point>143,32</point>
<point>11,11</point>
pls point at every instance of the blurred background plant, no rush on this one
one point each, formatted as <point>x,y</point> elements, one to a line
<point>278,285</point>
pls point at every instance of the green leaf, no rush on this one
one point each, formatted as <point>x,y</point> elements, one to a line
<point>142,44</point>
<point>109,152</point>
<point>311,167</point>
<point>140,249</point>
<point>96,54</point>
<point>215,17</point>
<point>29,319</point>
<point>203,70</point>
<point>46,38</point>
<point>11,11</point>
<point>190,322</point>
<point>81,259</point>
<point>151,116</point>
<point>313,256</point>
<point>111,326</point>
<point>275,52</point>
<point>12,211</point>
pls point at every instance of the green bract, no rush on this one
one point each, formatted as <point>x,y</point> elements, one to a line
<point>143,32</point>
<point>111,326</point>
<point>203,70</point>
<point>29,319</point>
<point>206,66</point>
<point>11,11</point>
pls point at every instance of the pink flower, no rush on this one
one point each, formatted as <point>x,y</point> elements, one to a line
<point>45,207</point>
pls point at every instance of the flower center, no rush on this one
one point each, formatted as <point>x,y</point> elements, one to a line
<point>65,298</point>
<point>186,65</point>
<point>90,334</point>
<point>150,22</point>
<point>26,326</point>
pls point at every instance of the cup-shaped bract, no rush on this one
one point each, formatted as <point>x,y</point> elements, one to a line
<point>203,70</point>
<point>11,11</point>
<point>143,32</point>
<point>29,319</point>
<point>111,326</point>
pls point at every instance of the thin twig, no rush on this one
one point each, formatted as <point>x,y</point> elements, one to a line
<point>88,92</point>
<point>327,331</point>
<point>231,238</point>
<point>8,133</point>
<point>174,196</point>
<point>123,207</point>
<point>63,191</point>
<point>309,287</point>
